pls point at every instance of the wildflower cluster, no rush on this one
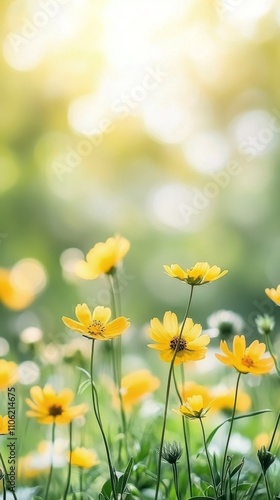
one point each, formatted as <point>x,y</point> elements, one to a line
<point>106,434</point>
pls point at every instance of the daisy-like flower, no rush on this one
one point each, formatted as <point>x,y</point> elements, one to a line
<point>4,428</point>
<point>246,359</point>
<point>82,457</point>
<point>134,387</point>
<point>8,374</point>
<point>96,325</point>
<point>200,274</point>
<point>274,294</point>
<point>103,258</point>
<point>194,407</point>
<point>191,345</point>
<point>49,407</point>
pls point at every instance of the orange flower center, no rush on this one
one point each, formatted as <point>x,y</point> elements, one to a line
<point>55,410</point>
<point>96,328</point>
<point>247,361</point>
<point>182,344</point>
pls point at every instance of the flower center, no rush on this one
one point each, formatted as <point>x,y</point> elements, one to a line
<point>247,361</point>
<point>96,328</point>
<point>182,344</point>
<point>55,410</point>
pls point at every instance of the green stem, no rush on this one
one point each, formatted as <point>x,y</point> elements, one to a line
<point>167,396</point>
<point>269,448</point>
<point>184,423</point>
<point>230,430</point>
<point>175,477</point>
<point>269,497</point>
<point>6,474</point>
<point>81,481</point>
<point>270,349</point>
<point>116,346</point>
<point>238,477</point>
<point>69,465</point>
<point>4,489</point>
<point>96,410</point>
<point>51,467</point>
<point>208,457</point>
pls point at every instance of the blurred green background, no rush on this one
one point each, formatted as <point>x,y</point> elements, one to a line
<point>156,120</point>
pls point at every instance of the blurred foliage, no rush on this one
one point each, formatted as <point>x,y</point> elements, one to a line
<point>182,89</point>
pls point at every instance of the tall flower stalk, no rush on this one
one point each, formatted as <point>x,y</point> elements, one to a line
<point>169,378</point>
<point>51,466</point>
<point>96,410</point>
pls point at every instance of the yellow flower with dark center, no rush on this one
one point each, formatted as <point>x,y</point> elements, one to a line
<point>4,428</point>
<point>103,258</point>
<point>49,407</point>
<point>194,407</point>
<point>134,387</point>
<point>274,294</point>
<point>191,345</point>
<point>96,325</point>
<point>200,274</point>
<point>8,374</point>
<point>246,359</point>
<point>82,457</point>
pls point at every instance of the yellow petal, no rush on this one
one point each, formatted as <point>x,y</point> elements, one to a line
<point>83,314</point>
<point>74,325</point>
<point>102,314</point>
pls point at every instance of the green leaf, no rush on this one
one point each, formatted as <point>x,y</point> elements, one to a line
<point>124,479</point>
<point>83,386</point>
<point>201,498</point>
<point>236,468</point>
<point>106,489</point>
<point>84,371</point>
<point>252,414</point>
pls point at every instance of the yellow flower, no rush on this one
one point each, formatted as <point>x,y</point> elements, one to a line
<point>11,294</point>
<point>4,428</point>
<point>190,389</point>
<point>95,325</point>
<point>81,457</point>
<point>223,400</point>
<point>200,274</point>
<point>28,468</point>
<point>134,387</point>
<point>274,294</point>
<point>260,440</point>
<point>192,345</point>
<point>8,374</point>
<point>194,407</point>
<point>246,359</point>
<point>103,258</point>
<point>49,407</point>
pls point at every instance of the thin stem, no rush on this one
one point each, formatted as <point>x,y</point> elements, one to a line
<point>6,474</point>
<point>230,430</point>
<point>51,467</point>
<point>69,465</point>
<point>269,448</point>
<point>167,396</point>
<point>96,410</point>
<point>270,349</point>
<point>4,489</point>
<point>238,477</point>
<point>81,481</point>
<point>269,497</point>
<point>116,346</point>
<point>175,477</point>
<point>208,457</point>
<point>184,423</point>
